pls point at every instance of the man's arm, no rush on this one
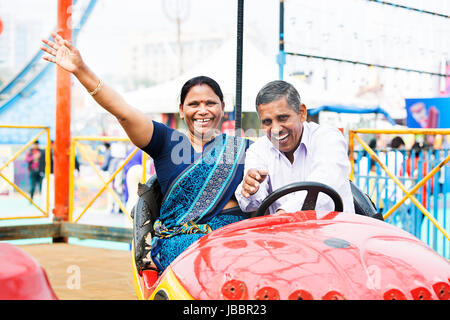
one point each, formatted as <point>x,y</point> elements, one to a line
<point>254,187</point>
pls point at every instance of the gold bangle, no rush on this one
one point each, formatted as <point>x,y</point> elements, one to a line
<point>99,86</point>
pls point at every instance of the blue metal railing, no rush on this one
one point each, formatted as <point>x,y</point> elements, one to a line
<point>409,167</point>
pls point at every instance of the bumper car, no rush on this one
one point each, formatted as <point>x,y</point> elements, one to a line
<point>21,276</point>
<point>304,255</point>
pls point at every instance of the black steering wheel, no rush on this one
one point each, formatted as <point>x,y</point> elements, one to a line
<point>313,189</point>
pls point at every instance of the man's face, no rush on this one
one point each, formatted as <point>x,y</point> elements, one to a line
<point>282,124</point>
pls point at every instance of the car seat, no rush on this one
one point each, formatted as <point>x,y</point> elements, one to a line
<point>363,204</point>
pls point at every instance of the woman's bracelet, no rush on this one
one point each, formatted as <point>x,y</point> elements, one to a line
<point>97,89</point>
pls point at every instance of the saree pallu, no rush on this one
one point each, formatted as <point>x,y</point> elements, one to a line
<point>192,205</point>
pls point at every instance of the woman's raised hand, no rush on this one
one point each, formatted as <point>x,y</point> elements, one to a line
<point>138,127</point>
<point>62,53</point>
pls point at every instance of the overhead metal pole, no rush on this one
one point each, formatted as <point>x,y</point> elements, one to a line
<point>239,49</point>
<point>63,108</point>
<point>178,11</point>
<point>281,58</point>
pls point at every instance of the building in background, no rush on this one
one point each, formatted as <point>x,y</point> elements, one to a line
<point>21,35</point>
<point>135,46</point>
<point>373,33</point>
<point>152,58</point>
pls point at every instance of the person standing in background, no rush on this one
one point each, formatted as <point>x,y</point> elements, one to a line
<point>36,165</point>
<point>106,157</point>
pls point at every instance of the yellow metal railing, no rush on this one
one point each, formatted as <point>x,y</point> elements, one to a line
<point>76,145</point>
<point>409,194</point>
<point>44,130</point>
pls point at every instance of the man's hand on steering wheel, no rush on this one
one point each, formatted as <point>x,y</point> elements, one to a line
<point>313,189</point>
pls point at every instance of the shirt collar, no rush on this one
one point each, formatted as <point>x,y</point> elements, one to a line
<point>305,141</point>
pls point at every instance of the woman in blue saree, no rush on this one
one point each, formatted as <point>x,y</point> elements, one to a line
<point>198,171</point>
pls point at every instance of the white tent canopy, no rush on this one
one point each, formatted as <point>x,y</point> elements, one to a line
<point>221,66</point>
<point>313,95</point>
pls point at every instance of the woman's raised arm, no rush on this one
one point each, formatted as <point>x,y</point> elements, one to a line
<point>138,127</point>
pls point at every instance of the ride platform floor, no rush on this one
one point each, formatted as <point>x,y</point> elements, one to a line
<point>85,273</point>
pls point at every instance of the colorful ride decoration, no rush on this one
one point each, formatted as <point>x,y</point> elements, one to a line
<point>304,255</point>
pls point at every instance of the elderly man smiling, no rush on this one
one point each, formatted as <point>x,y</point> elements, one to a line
<point>293,150</point>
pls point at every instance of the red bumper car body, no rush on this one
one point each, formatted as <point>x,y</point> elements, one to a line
<point>21,276</point>
<point>311,255</point>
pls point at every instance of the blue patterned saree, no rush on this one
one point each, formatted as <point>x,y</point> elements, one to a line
<point>193,203</point>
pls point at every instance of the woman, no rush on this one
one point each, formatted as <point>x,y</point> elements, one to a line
<point>198,171</point>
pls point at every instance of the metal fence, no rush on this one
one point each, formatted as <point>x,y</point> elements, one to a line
<point>411,188</point>
<point>43,209</point>
<point>106,182</point>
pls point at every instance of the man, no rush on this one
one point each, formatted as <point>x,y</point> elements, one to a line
<point>293,150</point>
<point>36,166</point>
<point>106,157</point>
<point>394,161</point>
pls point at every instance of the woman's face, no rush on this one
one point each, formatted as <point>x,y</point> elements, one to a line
<point>202,111</point>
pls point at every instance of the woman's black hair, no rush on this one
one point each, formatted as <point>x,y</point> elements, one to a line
<point>198,81</point>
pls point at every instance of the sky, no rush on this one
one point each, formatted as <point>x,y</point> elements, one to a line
<point>208,16</point>
<point>112,20</point>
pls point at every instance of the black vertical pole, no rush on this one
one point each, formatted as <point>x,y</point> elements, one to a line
<point>281,58</point>
<point>240,36</point>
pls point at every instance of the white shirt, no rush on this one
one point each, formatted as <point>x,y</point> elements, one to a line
<point>394,162</point>
<point>320,157</point>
